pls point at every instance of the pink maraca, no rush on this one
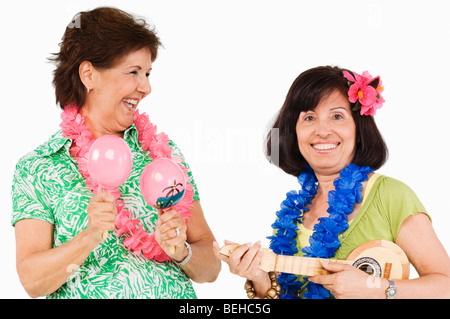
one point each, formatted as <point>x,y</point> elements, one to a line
<point>162,183</point>
<point>109,162</point>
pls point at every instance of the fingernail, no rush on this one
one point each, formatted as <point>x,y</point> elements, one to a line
<point>249,244</point>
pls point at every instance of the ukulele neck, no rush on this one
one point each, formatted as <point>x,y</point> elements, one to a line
<point>306,266</point>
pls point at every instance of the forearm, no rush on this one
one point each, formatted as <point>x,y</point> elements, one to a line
<point>203,265</point>
<point>431,286</point>
<point>43,272</point>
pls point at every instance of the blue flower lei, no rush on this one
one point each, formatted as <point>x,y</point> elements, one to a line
<point>324,241</point>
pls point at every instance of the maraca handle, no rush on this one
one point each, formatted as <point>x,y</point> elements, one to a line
<point>172,250</point>
<point>105,232</point>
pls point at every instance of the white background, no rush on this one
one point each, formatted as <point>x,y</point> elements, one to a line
<point>223,73</point>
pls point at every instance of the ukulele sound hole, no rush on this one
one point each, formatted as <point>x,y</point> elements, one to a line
<point>368,269</point>
<point>368,265</point>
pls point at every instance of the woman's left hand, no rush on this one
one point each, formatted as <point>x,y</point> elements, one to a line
<point>167,236</point>
<point>349,282</point>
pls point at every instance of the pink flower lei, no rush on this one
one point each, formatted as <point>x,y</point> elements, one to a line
<point>365,92</point>
<point>137,239</point>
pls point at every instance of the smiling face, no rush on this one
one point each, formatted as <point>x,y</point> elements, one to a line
<point>327,135</point>
<point>115,93</point>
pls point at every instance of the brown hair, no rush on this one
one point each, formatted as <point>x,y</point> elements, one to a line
<point>101,36</point>
<point>308,89</point>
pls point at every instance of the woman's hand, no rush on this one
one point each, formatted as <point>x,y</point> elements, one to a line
<point>244,262</point>
<point>347,282</point>
<point>167,236</point>
<point>102,213</point>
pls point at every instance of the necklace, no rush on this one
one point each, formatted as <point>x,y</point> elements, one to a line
<point>324,241</point>
<point>137,239</point>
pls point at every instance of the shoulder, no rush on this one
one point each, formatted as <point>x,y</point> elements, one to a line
<point>176,152</point>
<point>41,156</point>
<point>391,187</point>
<point>397,199</point>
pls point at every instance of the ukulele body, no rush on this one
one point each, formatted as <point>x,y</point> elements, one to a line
<point>381,258</point>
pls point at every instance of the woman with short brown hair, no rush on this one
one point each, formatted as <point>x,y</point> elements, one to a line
<point>59,212</point>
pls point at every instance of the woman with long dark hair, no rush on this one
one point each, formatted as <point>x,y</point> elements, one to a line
<point>328,139</point>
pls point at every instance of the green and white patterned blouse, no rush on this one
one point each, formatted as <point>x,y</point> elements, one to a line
<point>47,185</point>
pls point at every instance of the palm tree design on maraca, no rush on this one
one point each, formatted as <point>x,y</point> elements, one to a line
<point>173,196</point>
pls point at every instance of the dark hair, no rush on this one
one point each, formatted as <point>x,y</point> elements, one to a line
<point>308,89</point>
<point>101,36</point>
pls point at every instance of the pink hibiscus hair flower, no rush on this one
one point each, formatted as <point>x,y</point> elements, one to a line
<point>365,92</point>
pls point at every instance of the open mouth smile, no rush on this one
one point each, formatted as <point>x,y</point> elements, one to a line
<point>325,147</point>
<point>131,104</point>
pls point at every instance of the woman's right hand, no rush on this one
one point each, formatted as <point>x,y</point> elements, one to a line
<point>244,262</point>
<point>102,213</point>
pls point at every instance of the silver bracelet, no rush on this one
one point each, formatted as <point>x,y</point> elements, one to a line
<point>188,257</point>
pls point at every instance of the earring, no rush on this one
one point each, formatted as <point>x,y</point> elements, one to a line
<point>88,89</point>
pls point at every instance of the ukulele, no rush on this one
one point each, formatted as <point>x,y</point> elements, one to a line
<point>380,258</point>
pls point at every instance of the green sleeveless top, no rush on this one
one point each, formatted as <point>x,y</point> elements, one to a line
<point>47,185</point>
<point>386,205</point>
